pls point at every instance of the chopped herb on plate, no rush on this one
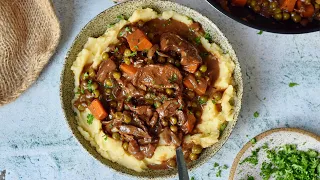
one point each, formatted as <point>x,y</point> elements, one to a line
<point>292,84</point>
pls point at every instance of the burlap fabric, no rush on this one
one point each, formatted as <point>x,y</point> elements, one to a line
<point>29,35</point>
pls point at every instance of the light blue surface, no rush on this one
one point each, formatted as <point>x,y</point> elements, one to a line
<point>35,142</point>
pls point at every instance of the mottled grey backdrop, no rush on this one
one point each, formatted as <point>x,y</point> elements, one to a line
<point>35,142</point>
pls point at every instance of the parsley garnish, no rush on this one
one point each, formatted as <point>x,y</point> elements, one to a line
<point>215,164</point>
<point>189,18</point>
<point>90,85</point>
<point>223,126</point>
<point>134,53</point>
<point>214,101</point>
<point>82,91</point>
<point>225,166</point>
<point>292,84</point>
<point>90,118</point>
<point>116,50</point>
<point>110,25</point>
<point>120,17</point>
<point>265,146</point>
<point>256,114</point>
<point>260,32</point>
<point>85,75</point>
<point>173,78</point>
<point>128,29</point>
<point>105,137</point>
<point>250,178</point>
<point>198,40</point>
<point>253,141</point>
<point>208,37</point>
<point>136,47</point>
<point>218,174</point>
<point>253,159</point>
<point>192,178</point>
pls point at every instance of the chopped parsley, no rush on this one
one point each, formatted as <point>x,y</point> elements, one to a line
<point>85,75</point>
<point>110,25</point>
<point>192,178</point>
<point>265,146</point>
<point>198,40</point>
<point>256,114</point>
<point>253,141</point>
<point>225,166</point>
<point>189,18</point>
<point>208,37</point>
<point>134,53</point>
<point>136,47</point>
<point>105,137</point>
<point>116,50</point>
<point>173,78</point>
<point>90,118</point>
<point>253,159</point>
<point>215,164</point>
<point>121,17</point>
<point>250,178</point>
<point>89,86</point>
<point>128,29</point>
<point>260,32</point>
<point>82,91</point>
<point>214,101</point>
<point>218,174</point>
<point>287,162</point>
<point>292,84</point>
<point>223,126</point>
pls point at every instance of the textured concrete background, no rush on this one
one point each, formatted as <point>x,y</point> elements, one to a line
<point>35,142</point>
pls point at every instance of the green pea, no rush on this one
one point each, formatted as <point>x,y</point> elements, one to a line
<point>94,86</point>
<point>96,93</point>
<point>169,91</point>
<point>296,18</point>
<point>277,11</point>
<point>217,95</point>
<point>125,145</point>
<point>127,53</point>
<point>198,74</point>
<point>116,136</point>
<point>278,16</point>
<point>198,114</point>
<point>108,91</point>
<point>173,120</point>
<point>81,107</point>
<point>203,68</point>
<point>273,5</point>
<point>92,73</point>
<point>118,115</point>
<point>174,128</point>
<point>108,82</point>
<point>256,8</point>
<point>265,4</point>
<point>286,16</point>
<point>194,105</point>
<point>117,75</point>
<point>127,118</point>
<point>113,104</point>
<point>127,60</point>
<point>203,99</point>
<point>196,149</point>
<point>170,60</point>
<point>172,163</point>
<point>253,3</point>
<point>157,104</point>
<point>164,122</point>
<point>105,56</point>
<point>193,156</point>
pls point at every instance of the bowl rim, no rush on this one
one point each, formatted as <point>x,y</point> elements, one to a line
<point>246,23</point>
<point>239,93</point>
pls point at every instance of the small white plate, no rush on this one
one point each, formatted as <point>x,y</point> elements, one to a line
<point>274,138</point>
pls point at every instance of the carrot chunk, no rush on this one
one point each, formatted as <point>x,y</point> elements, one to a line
<point>97,110</point>
<point>307,10</point>
<point>128,69</point>
<point>138,41</point>
<point>239,2</point>
<point>189,124</point>
<point>288,5</point>
<point>199,86</point>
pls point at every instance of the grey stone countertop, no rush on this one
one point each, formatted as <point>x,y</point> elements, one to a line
<point>35,142</point>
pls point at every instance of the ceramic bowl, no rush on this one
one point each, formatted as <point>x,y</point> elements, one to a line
<point>97,27</point>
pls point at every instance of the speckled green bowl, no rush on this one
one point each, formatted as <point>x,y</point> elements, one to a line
<point>97,27</point>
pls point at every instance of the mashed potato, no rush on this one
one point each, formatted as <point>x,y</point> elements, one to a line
<point>211,118</point>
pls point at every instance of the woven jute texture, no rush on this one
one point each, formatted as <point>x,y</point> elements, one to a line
<point>29,35</point>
